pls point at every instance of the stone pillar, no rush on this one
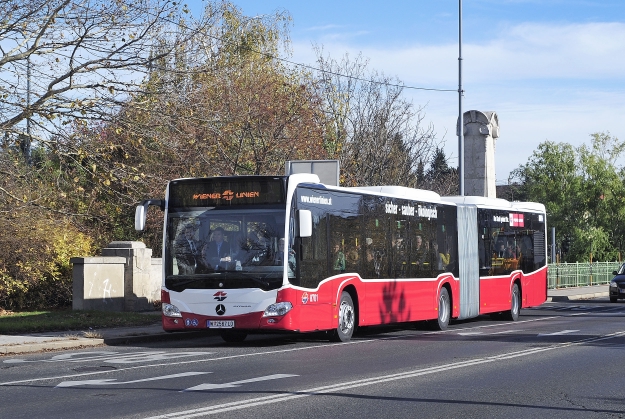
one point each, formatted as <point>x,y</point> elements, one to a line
<point>98,283</point>
<point>140,288</point>
<point>481,129</point>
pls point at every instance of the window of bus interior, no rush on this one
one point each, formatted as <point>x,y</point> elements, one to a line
<point>377,231</point>
<point>510,241</point>
<point>422,243</point>
<point>398,249</point>
<point>344,225</point>
<point>334,214</point>
<point>537,226</point>
<point>191,248</point>
<point>445,250</point>
<point>313,250</point>
<point>402,238</point>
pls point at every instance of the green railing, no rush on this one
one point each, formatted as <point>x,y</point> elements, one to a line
<point>566,275</point>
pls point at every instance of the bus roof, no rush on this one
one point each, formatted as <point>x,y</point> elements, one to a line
<point>399,192</point>
<point>495,203</point>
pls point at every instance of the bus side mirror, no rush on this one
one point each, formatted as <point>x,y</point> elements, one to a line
<point>142,210</point>
<point>140,218</point>
<point>305,223</point>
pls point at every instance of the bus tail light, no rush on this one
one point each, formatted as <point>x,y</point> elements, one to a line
<point>278,309</point>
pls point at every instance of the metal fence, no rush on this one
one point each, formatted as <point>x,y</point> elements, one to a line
<point>566,275</point>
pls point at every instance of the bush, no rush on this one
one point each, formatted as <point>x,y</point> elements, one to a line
<point>35,271</point>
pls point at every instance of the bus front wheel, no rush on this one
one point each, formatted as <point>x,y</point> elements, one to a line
<point>347,319</point>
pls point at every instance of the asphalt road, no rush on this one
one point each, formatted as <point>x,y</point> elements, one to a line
<point>560,360</point>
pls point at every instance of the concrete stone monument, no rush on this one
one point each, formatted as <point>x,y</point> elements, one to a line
<point>481,129</point>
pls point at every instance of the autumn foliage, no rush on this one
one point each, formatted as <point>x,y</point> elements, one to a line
<point>202,97</point>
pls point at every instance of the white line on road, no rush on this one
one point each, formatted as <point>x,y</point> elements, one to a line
<point>561,332</point>
<point>489,334</point>
<point>220,358</point>
<point>112,357</point>
<point>111,381</point>
<point>486,326</point>
<point>243,404</point>
<point>209,386</point>
<point>281,351</point>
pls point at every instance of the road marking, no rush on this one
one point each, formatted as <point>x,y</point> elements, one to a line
<point>281,351</point>
<point>113,381</point>
<point>489,334</point>
<point>486,326</point>
<point>562,332</point>
<point>113,357</point>
<point>209,386</point>
<point>259,401</point>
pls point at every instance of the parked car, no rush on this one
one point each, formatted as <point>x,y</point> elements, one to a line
<point>617,285</point>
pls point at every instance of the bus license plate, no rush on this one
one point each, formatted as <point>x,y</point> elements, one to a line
<point>220,324</point>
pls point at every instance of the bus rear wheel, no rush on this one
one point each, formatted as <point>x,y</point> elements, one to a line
<point>444,311</point>
<point>515,304</point>
<point>347,320</point>
<point>233,336</point>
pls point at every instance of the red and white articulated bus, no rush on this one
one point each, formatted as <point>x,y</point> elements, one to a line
<point>287,253</point>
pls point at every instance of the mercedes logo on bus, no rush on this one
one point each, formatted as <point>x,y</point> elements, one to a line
<point>220,309</point>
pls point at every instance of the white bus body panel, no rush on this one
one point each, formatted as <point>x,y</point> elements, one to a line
<point>236,301</point>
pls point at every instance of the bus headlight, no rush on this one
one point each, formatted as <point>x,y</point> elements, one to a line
<point>170,310</point>
<point>278,309</point>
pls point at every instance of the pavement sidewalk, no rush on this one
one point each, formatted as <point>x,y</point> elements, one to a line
<point>36,342</point>
<point>579,293</point>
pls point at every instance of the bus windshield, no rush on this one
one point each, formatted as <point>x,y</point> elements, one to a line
<point>211,248</point>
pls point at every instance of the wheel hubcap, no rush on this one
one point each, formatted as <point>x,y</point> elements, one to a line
<point>346,317</point>
<point>443,310</point>
<point>515,301</point>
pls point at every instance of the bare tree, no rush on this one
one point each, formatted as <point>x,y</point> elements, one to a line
<point>77,60</point>
<point>377,135</point>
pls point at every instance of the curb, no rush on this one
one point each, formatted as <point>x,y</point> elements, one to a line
<point>50,345</point>
<point>88,342</point>
<point>154,337</point>
<point>587,296</point>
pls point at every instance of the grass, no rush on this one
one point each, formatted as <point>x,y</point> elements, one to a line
<point>12,323</point>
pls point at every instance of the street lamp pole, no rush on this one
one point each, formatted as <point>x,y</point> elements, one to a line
<point>460,92</point>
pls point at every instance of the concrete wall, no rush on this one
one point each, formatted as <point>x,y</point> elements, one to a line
<point>124,278</point>
<point>98,283</point>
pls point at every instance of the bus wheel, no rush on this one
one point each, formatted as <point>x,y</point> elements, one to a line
<point>233,336</point>
<point>515,304</point>
<point>347,320</point>
<point>444,311</point>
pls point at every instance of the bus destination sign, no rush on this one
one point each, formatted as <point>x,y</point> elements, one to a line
<point>228,195</point>
<point>214,192</point>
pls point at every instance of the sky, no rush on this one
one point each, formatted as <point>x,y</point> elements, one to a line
<point>553,70</point>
